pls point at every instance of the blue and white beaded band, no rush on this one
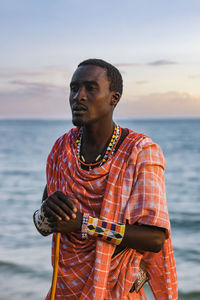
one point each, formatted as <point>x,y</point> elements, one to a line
<point>84,226</point>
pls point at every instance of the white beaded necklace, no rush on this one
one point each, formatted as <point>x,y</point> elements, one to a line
<point>109,151</point>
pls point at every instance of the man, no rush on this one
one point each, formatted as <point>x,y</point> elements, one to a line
<point>105,194</point>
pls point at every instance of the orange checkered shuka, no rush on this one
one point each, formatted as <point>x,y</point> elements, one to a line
<point>128,187</point>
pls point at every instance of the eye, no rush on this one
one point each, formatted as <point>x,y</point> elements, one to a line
<point>74,88</point>
<point>90,87</point>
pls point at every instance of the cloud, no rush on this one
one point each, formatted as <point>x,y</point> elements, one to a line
<point>39,99</point>
<point>140,82</point>
<point>16,74</point>
<point>119,65</point>
<point>38,74</point>
<point>196,76</point>
<point>161,62</point>
<point>34,93</point>
<point>36,88</point>
<point>34,99</point>
<point>160,104</point>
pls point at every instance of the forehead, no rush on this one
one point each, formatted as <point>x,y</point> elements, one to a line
<point>90,73</point>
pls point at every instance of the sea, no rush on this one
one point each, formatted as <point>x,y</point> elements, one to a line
<point>25,255</point>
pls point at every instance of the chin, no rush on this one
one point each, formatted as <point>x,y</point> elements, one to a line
<point>77,122</point>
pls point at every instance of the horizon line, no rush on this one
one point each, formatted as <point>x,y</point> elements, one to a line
<point>117,118</point>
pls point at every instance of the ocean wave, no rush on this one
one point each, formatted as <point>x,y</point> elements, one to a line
<point>189,220</point>
<point>185,224</point>
<point>189,255</point>
<point>7,267</point>
<point>189,296</point>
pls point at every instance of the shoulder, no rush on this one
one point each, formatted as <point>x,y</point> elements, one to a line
<point>62,142</point>
<point>144,150</point>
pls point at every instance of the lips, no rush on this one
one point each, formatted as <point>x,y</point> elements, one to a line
<point>78,108</point>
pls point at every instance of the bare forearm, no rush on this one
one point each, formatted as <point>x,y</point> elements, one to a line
<point>143,237</point>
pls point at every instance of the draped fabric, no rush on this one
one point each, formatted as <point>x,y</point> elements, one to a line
<point>129,187</point>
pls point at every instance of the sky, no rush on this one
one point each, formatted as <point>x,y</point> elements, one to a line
<point>154,43</point>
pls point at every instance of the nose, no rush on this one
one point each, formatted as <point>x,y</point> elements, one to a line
<point>80,94</point>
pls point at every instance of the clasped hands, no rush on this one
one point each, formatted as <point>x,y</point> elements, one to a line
<point>62,213</point>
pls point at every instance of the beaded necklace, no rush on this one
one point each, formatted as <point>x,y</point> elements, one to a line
<point>109,151</point>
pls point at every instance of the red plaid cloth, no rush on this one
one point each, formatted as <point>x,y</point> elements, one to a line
<point>129,186</point>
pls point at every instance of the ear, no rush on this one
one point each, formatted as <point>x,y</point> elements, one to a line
<point>115,98</point>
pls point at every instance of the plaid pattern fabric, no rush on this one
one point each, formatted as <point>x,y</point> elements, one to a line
<point>108,231</point>
<point>128,187</point>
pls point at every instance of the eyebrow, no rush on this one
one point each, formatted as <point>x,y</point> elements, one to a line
<point>84,82</point>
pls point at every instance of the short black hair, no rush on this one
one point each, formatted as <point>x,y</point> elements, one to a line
<point>114,76</point>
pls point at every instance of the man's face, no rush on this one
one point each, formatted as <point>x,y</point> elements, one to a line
<point>90,95</point>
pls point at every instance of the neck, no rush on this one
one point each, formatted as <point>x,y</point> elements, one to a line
<point>94,140</point>
<point>96,135</point>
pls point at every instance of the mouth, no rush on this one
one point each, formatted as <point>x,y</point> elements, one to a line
<point>78,109</point>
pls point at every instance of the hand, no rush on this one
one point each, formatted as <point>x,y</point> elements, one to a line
<point>72,225</point>
<point>61,212</point>
<point>58,206</point>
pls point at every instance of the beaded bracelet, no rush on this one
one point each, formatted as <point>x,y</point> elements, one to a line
<point>108,231</point>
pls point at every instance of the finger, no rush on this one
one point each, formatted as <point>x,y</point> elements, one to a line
<point>52,214</point>
<point>61,209</point>
<point>66,199</point>
<point>52,219</point>
<point>70,202</point>
<point>70,211</point>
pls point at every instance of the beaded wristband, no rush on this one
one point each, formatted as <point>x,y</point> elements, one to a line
<point>84,226</point>
<point>108,231</point>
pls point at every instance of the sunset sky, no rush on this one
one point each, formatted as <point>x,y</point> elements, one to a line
<point>154,43</point>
